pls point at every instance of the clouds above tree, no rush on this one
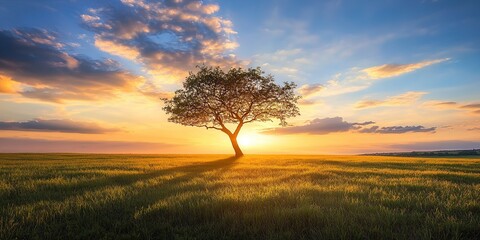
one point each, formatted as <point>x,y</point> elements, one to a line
<point>34,63</point>
<point>337,124</point>
<point>168,37</point>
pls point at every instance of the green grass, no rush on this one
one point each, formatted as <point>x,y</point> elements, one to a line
<point>73,196</point>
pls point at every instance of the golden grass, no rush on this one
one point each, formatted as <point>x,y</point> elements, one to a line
<point>61,196</point>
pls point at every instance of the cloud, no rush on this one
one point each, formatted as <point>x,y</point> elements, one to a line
<point>168,37</point>
<point>35,60</point>
<point>393,70</point>
<point>396,129</point>
<point>357,79</point>
<point>399,100</point>
<point>448,105</point>
<point>337,124</point>
<point>151,90</point>
<point>14,145</point>
<point>284,62</point>
<point>7,85</point>
<point>319,126</point>
<point>442,104</point>
<point>66,126</point>
<point>364,123</point>
<point>341,83</point>
<point>116,49</point>
<point>309,102</point>
<point>290,31</point>
<point>471,106</point>
<point>310,89</point>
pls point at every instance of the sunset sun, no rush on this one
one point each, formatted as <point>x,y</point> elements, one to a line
<point>249,139</point>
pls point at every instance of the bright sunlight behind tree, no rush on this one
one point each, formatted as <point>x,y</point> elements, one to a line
<point>212,98</point>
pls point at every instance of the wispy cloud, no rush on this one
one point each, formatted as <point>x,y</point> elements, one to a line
<point>393,70</point>
<point>475,106</point>
<point>117,48</point>
<point>291,32</point>
<point>151,90</point>
<point>55,125</point>
<point>168,37</point>
<point>442,104</point>
<point>309,102</point>
<point>357,79</point>
<point>399,100</point>
<point>36,60</point>
<point>449,105</point>
<point>284,62</point>
<point>337,124</point>
<point>307,90</point>
<point>301,50</point>
<point>339,84</point>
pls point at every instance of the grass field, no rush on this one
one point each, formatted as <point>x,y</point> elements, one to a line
<point>70,196</point>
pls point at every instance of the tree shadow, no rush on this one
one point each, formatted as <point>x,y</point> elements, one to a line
<point>89,220</point>
<point>63,192</point>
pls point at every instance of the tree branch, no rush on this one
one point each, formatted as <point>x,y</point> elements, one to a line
<point>224,128</point>
<point>237,130</point>
<point>211,127</point>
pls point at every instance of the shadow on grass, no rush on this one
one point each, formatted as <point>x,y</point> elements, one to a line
<point>102,218</point>
<point>63,192</point>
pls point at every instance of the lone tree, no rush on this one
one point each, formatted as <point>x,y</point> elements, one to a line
<point>213,99</point>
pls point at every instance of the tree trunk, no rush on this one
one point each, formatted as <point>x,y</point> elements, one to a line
<point>238,151</point>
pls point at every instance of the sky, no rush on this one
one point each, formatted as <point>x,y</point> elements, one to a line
<point>374,76</point>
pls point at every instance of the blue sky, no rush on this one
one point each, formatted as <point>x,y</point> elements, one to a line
<point>395,63</point>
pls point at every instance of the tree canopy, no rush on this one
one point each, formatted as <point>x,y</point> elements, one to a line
<point>212,98</point>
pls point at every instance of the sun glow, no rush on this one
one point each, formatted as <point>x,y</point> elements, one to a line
<point>249,139</point>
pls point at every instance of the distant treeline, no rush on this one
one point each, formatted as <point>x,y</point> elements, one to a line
<point>473,152</point>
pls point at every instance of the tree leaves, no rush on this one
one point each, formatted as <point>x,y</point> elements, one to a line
<point>212,98</point>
